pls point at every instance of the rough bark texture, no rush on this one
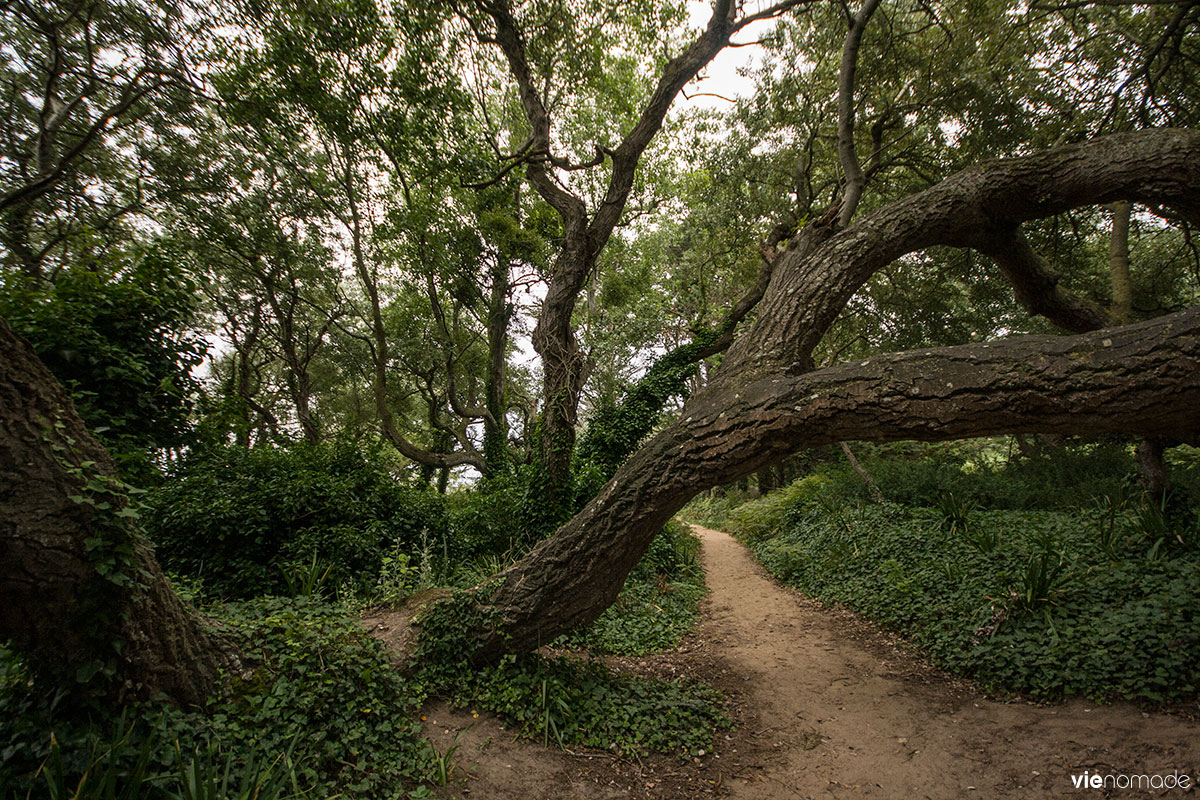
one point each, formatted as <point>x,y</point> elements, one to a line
<point>764,403</point>
<point>54,606</point>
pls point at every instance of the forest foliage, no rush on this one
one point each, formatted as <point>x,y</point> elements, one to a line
<point>373,297</point>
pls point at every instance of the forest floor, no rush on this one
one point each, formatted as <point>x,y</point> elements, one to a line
<point>826,706</point>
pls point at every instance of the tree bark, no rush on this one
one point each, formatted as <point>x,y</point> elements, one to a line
<point>56,540</point>
<point>1142,379</point>
<point>495,423</point>
<point>764,404</point>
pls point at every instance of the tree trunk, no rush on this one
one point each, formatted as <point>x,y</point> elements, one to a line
<point>80,591</point>
<point>872,487</point>
<point>764,404</point>
<point>495,424</point>
<point>766,480</point>
<point>1118,261</point>
<point>584,234</point>
<point>1143,379</point>
<point>564,369</point>
<point>1155,476</point>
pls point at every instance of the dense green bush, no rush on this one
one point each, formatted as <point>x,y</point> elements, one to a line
<point>495,518</point>
<point>241,520</point>
<point>992,474</point>
<point>749,518</point>
<point>117,336</point>
<point>1047,603</point>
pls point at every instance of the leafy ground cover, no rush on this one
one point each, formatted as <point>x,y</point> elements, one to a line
<point>658,605</point>
<point>1101,600</point>
<point>318,711</point>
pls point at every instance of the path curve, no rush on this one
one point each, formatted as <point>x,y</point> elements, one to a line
<point>844,714</point>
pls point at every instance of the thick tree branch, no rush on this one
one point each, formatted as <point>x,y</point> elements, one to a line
<point>808,291</point>
<point>508,36</point>
<point>1142,378</point>
<point>1036,285</point>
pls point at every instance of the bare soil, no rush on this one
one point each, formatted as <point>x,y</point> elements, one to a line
<point>826,706</point>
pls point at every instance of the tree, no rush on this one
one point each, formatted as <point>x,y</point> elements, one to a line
<point>83,598</point>
<point>92,90</point>
<point>767,401</point>
<point>585,232</point>
<point>81,593</point>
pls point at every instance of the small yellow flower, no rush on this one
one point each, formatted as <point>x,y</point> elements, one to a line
<point>422,718</point>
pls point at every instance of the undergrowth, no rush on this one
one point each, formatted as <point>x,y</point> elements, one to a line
<point>1100,599</point>
<point>658,604</point>
<point>318,711</point>
<point>572,701</point>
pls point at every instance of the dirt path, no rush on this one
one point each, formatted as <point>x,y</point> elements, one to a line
<point>853,717</point>
<point>828,707</point>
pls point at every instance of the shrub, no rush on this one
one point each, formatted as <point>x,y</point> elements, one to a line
<point>986,473</point>
<point>583,703</point>
<point>751,519</point>
<point>117,335</point>
<point>240,519</point>
<point>318,711</point>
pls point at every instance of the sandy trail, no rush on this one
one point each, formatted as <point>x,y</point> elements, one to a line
<point>828,707</point>
<point>850,716</point>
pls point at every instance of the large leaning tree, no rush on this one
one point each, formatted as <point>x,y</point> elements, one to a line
<point>767,400</point>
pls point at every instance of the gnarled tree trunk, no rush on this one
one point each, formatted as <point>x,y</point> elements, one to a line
<point>765,403</point>
<point>80,591</point>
